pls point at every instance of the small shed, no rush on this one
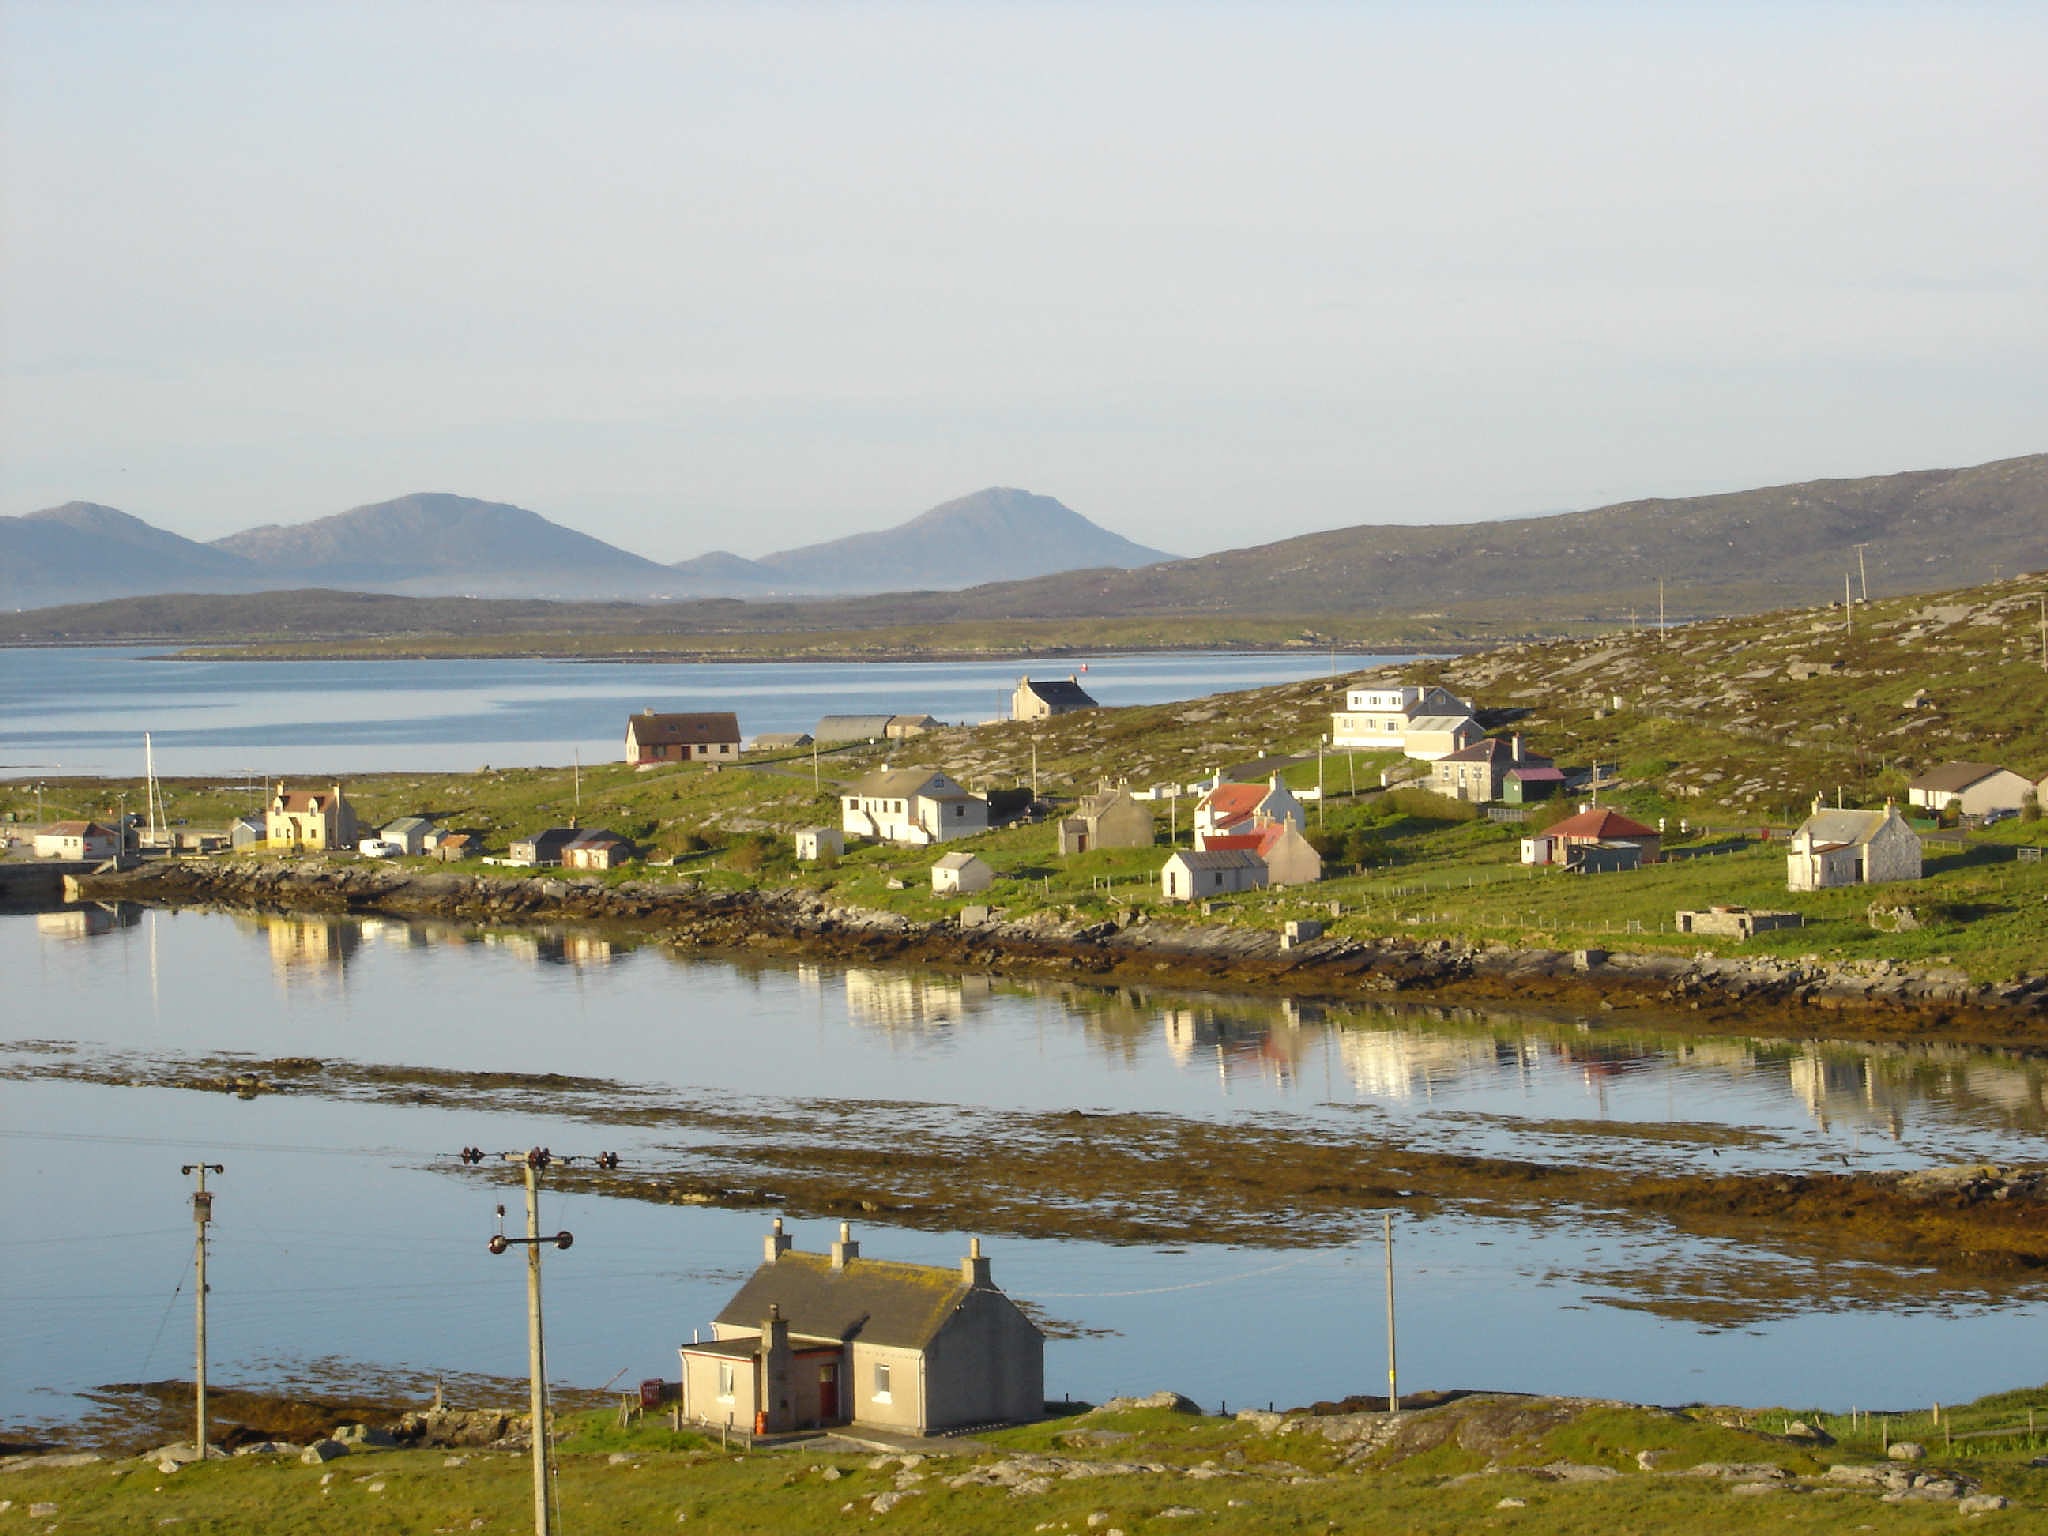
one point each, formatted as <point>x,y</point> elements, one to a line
<point>814,843</point>
<point>1196,876</point>
<point>409,833</point>
<point>961,874</point>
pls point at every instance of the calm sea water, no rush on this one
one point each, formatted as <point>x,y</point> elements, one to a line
<point>343,1229</point>
<point>85,711</point>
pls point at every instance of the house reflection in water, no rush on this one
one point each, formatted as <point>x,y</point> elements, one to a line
<point>896,1001</point>
<point>311,948</point>
<point>1234,1043</point>
<point>88,920</point>
<point>548,946</point>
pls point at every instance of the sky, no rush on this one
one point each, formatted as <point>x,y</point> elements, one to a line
<point>692,276</point>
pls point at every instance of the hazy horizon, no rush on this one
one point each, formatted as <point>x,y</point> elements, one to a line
<point>692,277</point>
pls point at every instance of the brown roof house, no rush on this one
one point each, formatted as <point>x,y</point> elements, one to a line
<point>1851,848</point>
<point>1980,787</point>
<point>310,818</point>
<point>1601,824</point>
<point>597,848</point>
<point>818,1339</point>
<point>652,739</point>
<point>1110,818</point>
<point>1041,699</point>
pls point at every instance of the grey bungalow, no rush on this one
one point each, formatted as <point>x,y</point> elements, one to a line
<point>819,1339</point>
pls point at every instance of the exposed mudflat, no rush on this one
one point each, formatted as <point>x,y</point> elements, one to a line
<point>1732,1247</point>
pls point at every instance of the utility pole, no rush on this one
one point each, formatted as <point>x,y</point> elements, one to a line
<point>1034,770</point>
<point>532,1164</point>
<point>1660,608</point>
<point>1862,573</point>
<point>2044,633</point>
<point>1322,800</point>
<point>202,1213</point>
<point>1848,607</point>
<point>1393,1376</point>
<point>814,765</point>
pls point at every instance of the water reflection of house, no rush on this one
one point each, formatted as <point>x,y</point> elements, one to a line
<point>87,920</point>
<point>900,1000</point>
<point>1412,1064</point>
<point>1235,1044</point>
<point>304,946</point>
<point>1842,1087</point>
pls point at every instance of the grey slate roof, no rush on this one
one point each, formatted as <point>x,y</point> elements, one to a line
<point>878,1301</point>
<point>1061,693</point>
<point>1954,778</point>
<point>1219,858</point>
<point>898,784</point>
<point>853,727</point>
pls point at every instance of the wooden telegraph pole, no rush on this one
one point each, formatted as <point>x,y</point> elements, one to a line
<point>532,1164</point>
<point>202,1213</point>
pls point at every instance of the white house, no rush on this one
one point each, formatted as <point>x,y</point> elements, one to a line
<point>1230,809</point>
<point>960,874</point>
<point>1851,848</point>
<point>1197,876</point>
<point>1981,787</point>
<point>1379,719</point>
<point>77,840</point>
<point>911,805</point>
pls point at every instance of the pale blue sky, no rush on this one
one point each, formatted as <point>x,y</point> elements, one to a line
<point>694,276</point>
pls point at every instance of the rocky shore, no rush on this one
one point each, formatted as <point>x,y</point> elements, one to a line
<point>1863,998</point>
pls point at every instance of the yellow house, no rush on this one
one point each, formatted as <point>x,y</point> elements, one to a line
<point>310,819</point>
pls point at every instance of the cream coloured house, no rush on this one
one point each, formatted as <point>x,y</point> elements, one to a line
<point>310,819</point>
<point>1380,719</point>
<point>1978,788</point>
<point>818,1339</point>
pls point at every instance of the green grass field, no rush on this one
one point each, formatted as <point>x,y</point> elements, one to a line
<point>1471,1464</point>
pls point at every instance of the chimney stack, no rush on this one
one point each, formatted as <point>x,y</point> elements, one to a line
<point>974,1268</point>
<point>776,1244</point>
<point>846,1250</point>
<point>1518,748</point>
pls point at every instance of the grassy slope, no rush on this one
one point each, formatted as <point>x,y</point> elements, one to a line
<point>1711,730</point>
<point>1449,1471</point>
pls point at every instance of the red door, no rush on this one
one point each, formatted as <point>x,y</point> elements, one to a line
<point>828,1392</point>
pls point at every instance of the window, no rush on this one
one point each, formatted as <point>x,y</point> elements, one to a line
<point>725,1381</point>
<point>881,1382</point>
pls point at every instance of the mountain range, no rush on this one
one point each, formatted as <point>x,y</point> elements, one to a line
<point>1742,551</point>
<point>432,544</point>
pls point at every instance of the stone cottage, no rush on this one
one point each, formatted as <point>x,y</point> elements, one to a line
<point>813,1340</point>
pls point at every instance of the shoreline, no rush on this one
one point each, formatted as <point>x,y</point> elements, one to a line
<point>1875,1000</point>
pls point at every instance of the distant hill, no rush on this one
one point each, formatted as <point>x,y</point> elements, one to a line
<point>993,535</point>
<point>82,551</point>
<point>1740,552</point>
<point>1743,551</point>
<point>439,545</point>
<point>430,544</point>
